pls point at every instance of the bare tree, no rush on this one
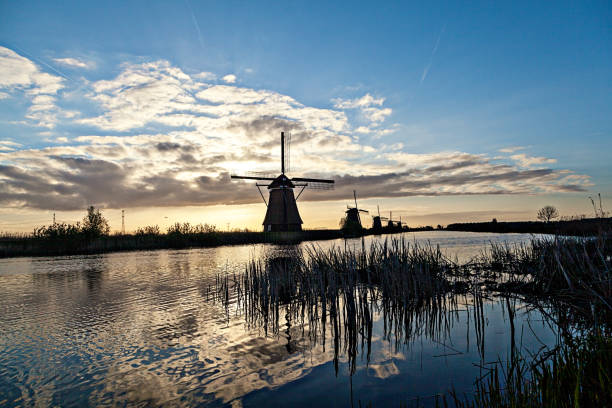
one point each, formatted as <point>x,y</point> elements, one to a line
<point>547,213</point>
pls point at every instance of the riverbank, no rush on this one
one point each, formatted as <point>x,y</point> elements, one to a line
<point>80,244</point>
<point>582,228</point>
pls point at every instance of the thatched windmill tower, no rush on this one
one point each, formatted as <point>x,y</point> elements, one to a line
<point>282,213</point>
<point>353,216</point>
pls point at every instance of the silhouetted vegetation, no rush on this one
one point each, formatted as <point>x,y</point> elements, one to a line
<point>576,374</point>
<point>547,213</point>
<point>573,227</point>
<point>92,236</point>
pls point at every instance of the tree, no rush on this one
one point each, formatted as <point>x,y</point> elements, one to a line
<point>547,213</point>
<point>94,223</point>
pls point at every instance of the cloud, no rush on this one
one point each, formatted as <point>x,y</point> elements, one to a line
<point>207,76</point>
<point>19,74</point>
<point>123,172</point>
<point>166,138</point>
<point>74,62</point>
<point>511,149</point>
<point>370,107</point>
<point>364,101</point>
<point>530,161</point>
<point>230,78</point>
<point>7,145</point>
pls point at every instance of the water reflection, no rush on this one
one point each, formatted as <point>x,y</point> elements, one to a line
<point>142,328</point>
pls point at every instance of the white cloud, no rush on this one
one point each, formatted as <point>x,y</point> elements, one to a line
<point>363,130</point>
<point>364,101</point>
<point>74,62</point>
<point>8,145</point>
<point>229,78</point>
<point>511,149</point>
<point>21,74</point>
<point>531,161</point>
<point>370,107</point>
<point>207,76</point>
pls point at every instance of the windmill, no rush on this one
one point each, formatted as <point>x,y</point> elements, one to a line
<point>390,224</point>
<point>377,220</point>
<point>282,213</point>
<point>353,216</point>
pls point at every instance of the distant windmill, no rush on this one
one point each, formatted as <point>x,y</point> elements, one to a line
<point>377,220</point>
<point>282,213</point>
<point>353,217</point>
<point>390,224</point>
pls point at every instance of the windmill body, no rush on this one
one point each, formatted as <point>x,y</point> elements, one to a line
<point>282,212</point>
<point>352,216</point>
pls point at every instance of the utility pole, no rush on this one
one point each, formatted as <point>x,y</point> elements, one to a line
<point>53,218</point>
<point>123,221</point>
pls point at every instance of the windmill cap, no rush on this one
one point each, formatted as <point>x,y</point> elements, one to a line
<point>281,181</point>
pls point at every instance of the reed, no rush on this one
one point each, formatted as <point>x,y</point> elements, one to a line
<point>337,293</point>
<point>576,374</point>
<point>573,271</point>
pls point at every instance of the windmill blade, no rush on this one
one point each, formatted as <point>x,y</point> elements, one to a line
<point>287,152</point>
<point>364,211</point>
<point>252,178</point>
<point>313,180</point>
<point>265,174</point>
<point>319,186</point>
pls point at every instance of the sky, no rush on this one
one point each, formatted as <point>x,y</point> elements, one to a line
<point>439,112</point>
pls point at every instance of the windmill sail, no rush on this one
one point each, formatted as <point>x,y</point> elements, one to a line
<point>287,151</point>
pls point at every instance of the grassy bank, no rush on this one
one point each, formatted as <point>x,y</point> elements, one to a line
<point>65,239</point>
<point>84,244</point>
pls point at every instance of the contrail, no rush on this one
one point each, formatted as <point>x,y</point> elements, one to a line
<point>195,23</point>
<point>40,61</point>
<point>433,52</point>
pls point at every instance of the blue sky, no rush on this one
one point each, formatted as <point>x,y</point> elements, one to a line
<point>393,87</point>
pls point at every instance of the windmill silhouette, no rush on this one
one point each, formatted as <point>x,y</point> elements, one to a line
<point>377,220</point>
<point>282,213</point>
<point>353,215</point>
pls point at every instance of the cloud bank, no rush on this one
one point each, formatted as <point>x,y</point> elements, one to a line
<point>155,135</point>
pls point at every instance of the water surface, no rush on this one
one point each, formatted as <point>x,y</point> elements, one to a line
<point>140,328</point>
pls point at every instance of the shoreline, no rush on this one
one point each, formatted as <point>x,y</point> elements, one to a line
<point>19,247</point>
<point>83,244</point>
